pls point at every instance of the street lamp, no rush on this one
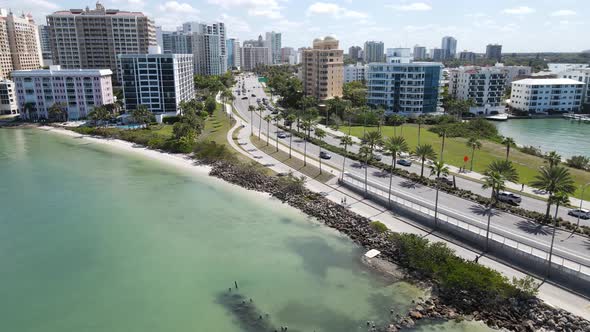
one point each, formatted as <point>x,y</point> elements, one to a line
<point>581,202</point>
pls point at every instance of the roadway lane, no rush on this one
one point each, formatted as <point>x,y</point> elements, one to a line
<point>576,247</point>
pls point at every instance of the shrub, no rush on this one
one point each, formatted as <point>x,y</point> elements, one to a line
<point>532,151</point>
<point>379,227</point>
<point>579,162</point>
<point>473,128</point>
<point>210,151</point>
<point>171,119</point>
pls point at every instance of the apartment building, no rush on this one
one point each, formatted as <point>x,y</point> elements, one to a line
<point>419,52</point>
<point>252,56</point>
<point>484,86</point>
<point>494,51</point>
<point>274,44</point>
<point>8,97</point>
<point>374,51</point>
<point>323,68</point>
<point>556,68</point>
<point>467,56</point>
<point>234,56</point>
<point>399,55</point>
<point>92,38</point>
<point>580,75</point>
<point>209,47</point>
<point>78,90</point>
<point>158,81</point>
<point>176,42</point>
<point>546,95</point>
<point>355,53</point>
<point>47,58</point>
<point>288,55</point>
<point>356,72</point>
<point>448,47</point>
<point>408,88</point>
<point>19,43</point>
<point>514,72</point>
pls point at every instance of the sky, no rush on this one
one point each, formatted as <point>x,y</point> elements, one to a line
<point>519,25</point>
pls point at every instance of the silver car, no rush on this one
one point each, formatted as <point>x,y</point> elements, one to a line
<point>581,213</point>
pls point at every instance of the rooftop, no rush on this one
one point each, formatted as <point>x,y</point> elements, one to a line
<point>547,81</point>
<point>56,70</point>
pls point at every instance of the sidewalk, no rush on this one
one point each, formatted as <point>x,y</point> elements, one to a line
<point>549,293</point>
<point>477,176</point>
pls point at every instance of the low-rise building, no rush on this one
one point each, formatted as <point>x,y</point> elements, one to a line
<point>158,81</point>
<point>7,97</point>
<point>514,72</point>
<point>78,91</point>
<point>408,88</point>
<point>556,68</point>
<point>546,95</point>
<point>356,72</point>
<point>580,75</point>
<point>484,86</point>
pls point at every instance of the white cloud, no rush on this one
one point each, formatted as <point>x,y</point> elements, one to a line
<point>268,13</point>
<point>415,6</point>
<point>521,10</point>
<point>178,7</point>
<point>334,10</point>
<point>234,24</point>
<point>564,12</point>
<point>265,8</point>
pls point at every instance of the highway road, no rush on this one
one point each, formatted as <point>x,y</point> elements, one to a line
<point>571,246</point>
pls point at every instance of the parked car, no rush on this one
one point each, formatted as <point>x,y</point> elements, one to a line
<point>245,97</point>
<point>377,157</point>
<point>281,135</point>
<point>325,155</point>
<point>582,213</point>
<point>258,100</point>
<point>404,162</point>
<point>253,95</point>
<point>445,180</point>
<point>508,197</point>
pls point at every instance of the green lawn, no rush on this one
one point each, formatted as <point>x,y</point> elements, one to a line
<point>455,149</point>
<point>216,127</point>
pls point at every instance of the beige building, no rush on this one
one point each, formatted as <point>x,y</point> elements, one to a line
<point>323,67</point>
<point>92,38</point>
<point>19,43</point>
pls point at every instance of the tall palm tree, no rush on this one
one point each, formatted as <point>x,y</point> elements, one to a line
<point>509,142</point>
<point>267,118</point>
<point>320,134</point>
<point>425,151</point>
<point>473,144</point>
<point>438,168</point>
<point>260,109</point>
<point>495,178</point>
<point>365,153</point>
<point>345,140</point>
<point>443,134</point>
<point>371,140</point>
<point>394,145</point>
<point>277,118</point>
<point>349,112</point>
<point>419,121</point>
<point>251,109</point>
<point>558,199</point>
<point>554,180</point>
<point>553,158</point>
<point>290,119</point>
<point>307,125</point>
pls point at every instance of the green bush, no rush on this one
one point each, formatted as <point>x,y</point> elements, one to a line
<point>479,127</point>
<point>379,226</point>
<point>171,119</point>
<point>210,151</point>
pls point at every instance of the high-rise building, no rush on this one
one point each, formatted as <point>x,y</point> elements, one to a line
<point>45,45</point>
<point>409,88</point>
<point>158,81</point>
<point>233,53</point>
<point>253,56</point>
<point>514,72</point>
<point>288,55</point>
<point>8,97</point>
<point>78,91</point>
<point>548,94</point>
<point>176,42</point>
<point>273,42</point>
<point>356,72</point>
<point>322,69</point>
<point>449,47</point>
<point>467,56</point>
<point>419,52</point>
<point>437,54</point>
<point>355,53</point>
<point>19,43</point>
<point>494,51</point>
<point>484,86</point>
<point>255,42</point>
<point>209,47</point>
<point>92,38</point>
<point>374,51</point>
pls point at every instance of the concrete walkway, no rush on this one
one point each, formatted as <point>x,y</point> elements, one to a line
<point>549,293</point>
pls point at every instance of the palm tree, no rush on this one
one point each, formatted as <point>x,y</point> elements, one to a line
<point>508,141</point>
<point>267,118</point>
<point>438,168</point>
<point>495,178</point>
<point>307,125</point>
<point>554,180</point>
<point>443,134</point>
<point>371,140</point>
<point>474,144</point>
<point>349,112</point>
<point>394,145</point>
<point>345,140</point>
<point>558,199</point>
<point>420,121</point>
<point>320,134</point>
<point>396,120</point>
<point>251,109</point>
<point>291,118</point>
<point>365,153</point>
<point>425,151</point>
<point>277,118</point>
<point>260,109</point>
<point>553,158</point>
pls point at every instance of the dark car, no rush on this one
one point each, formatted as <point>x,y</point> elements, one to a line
<point>446,181</point>
<point>404,162</point>
<point>245,97</point>
<point>325,155</point>
<point>253,95</point>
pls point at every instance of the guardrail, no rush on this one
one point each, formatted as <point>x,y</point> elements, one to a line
<point>475,230</point>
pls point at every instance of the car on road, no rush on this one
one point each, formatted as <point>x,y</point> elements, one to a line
<point>253,95</point>
<point>325,155</point>
<point>281,135</point>
<point>508,197</point>
<point>404,162</point>
<point>258,100</point>
<point>445,180</point>
<point>245,97</point>
<point>377,157</point>
<point>582,213</point>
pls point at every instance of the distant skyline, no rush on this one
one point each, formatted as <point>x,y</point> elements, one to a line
<point>520,26</point>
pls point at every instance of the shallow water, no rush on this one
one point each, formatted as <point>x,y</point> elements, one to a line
<point>92,239</point>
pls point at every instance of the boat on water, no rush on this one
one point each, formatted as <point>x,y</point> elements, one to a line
<point>578,117</point>
<point>498,117</point>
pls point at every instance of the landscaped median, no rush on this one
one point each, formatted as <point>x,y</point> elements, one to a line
<point>462,193</point>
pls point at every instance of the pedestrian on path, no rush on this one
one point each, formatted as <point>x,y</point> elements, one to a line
<point>522,188</point>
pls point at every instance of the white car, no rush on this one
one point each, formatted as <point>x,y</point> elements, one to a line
<point>581,213</point>
<point>508,197</point>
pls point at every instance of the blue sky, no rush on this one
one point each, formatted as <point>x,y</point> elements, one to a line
<point>520,26</point>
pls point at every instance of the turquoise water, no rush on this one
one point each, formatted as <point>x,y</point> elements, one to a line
<point>567,137</point>
<point>92,239</point>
